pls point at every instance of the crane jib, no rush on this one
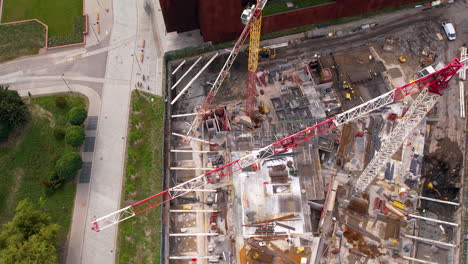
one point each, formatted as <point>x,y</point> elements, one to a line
<point>436,83</point>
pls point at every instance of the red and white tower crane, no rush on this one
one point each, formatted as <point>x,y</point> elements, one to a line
<point>432,86</point>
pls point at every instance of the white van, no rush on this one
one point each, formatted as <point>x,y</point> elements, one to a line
<point>449,30</point>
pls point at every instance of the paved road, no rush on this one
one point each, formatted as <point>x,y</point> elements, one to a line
<point>105,70</point>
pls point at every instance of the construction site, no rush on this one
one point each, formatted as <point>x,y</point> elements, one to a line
<point>343,144</point>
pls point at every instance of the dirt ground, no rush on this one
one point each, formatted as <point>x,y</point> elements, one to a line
<point>444,158</point>
<point>443,169</point>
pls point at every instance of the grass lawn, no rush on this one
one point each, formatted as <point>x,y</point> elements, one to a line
<point>56,14</point>
<point>140,237</point>
<point>21,39</point>
<point>278,6</point>
<point>28,157</point>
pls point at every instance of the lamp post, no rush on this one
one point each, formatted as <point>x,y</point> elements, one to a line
<point>139,66</point>
<point>69,89</point>
<point>92,27</point>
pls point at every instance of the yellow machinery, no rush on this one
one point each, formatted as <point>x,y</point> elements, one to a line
<point>268,53</point>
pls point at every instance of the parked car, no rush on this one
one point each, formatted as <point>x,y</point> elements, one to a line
<point>449,31</point>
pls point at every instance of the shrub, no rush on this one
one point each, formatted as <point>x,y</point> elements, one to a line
<point>61,102</point>
<point>68,165</point>
<point>4,131</point>
<point>75,136</point>
<point>53,181</point>
<point>59,133</point>
<point>77,116</point>
<point>13,111</point>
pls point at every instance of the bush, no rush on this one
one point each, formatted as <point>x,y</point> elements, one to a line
<point>53,181</point>
<point>77,116</point>
<point>68,165</point>
<point>59,133</point>
<point>75,136</point>
<point>61,102</point>
<point>13,111</point>
<point>4,131</point>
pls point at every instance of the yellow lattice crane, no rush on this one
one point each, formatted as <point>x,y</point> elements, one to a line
<point>253,15</point>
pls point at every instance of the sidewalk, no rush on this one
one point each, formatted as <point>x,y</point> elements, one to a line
<point>104,8</point>
<point>109,158</point>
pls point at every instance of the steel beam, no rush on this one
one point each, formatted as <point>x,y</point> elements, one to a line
<point>197,190</point>
<point>192,234</point>
<point>461,86</point>
<point>184,168</point>
<point>431,241</point>
<point>433,220</point>
<point>191,151</point>
<point>419,260</point>
<point>194,78</point>
<point>193,138</point>
<point>178,67</point>
<point>193,257</point>
<point>185,74</point>
<point>438,200</point>
<point>183,115</point>
<point>193,211</point>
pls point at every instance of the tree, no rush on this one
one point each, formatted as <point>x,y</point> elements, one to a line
<point>30,237</point>
<point>39,249</point>
<point>13,111</point>
<point>68,165</point>
<point>77,115</point>
<point>75,136</point>
<point>4,131</point>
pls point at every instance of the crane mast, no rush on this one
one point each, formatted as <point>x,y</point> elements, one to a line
<point>415,114</point>
<point>254,47</point>
<point>432,85</point>
<point>252,25</point>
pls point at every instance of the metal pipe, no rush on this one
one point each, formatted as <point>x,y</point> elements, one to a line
<point>193,211</point>
<point>182,115</point>
<point>192,138</point>
<point>461,86</point>
<point>185,74</point>
<point>194,78</point>
<point>438,200</point>
<point>193,257</point>
<point>419,260</point>
<point>191,151</point>
<point>433,220</point>
<point>431,241</point>
<point>178,67</point>
<point>195,190</point>
<point>193,234</point>
<point>183,168</point>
